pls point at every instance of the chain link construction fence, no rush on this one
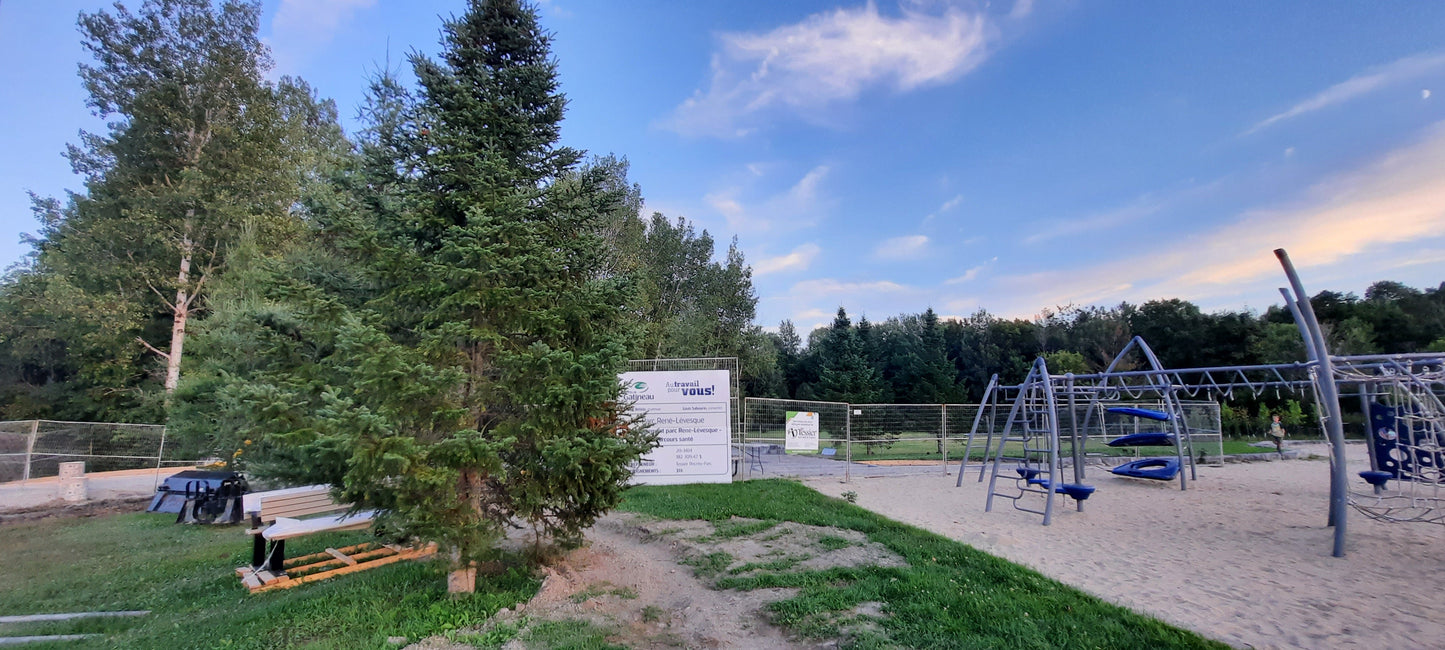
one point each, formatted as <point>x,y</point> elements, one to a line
<point>861,439</point>
<point>31,449</point>
<point>892,439</point>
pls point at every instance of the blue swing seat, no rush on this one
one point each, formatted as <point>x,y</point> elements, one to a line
<point>1148,439</point>
<point>1158,469</point>
<point>1075,491</point>
<point>1148,414</point>
<point>1028,473</point>
<point>1376,479</point>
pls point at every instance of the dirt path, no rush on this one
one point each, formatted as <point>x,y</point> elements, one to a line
<point>629,578</point>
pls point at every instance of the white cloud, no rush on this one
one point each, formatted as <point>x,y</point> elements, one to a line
<point>799,260</point>
<point>1401,70</point>
<point>1289,152</point>
<point>829,287</point>
<point>970,274</point>
<point>1355,224</point>
<point>829,58</point>
<point>1021,9</point>
<point>1139,209</point>
<point>801,205</point>
<point>1424,93</point>
<point>303,27</point>
<point>811,314</point>
<point>901,248</point>
<point>947,205</point>
<point>1142,207</point>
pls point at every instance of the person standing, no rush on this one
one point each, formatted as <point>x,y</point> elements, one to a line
<point>1276,432</point>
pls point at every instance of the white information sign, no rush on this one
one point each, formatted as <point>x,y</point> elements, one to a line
<point>801,431</point>
<point>690,411</point>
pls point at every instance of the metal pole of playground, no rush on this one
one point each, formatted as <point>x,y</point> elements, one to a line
<point>1294,304</point>
<point>1299,321</point>
<point>1076,442</point>
<point>1330,395</point>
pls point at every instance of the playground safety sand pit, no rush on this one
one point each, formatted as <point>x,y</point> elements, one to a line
<point>1243,556</point>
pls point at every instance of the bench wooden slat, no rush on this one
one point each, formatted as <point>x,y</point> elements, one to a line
<point>281,504</point>
<point>271,513</point>
<point>252,502</point>
<point>298,512</point>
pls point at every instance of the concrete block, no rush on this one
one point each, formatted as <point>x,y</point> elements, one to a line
<point>72,470</point>
<point>74,490</point>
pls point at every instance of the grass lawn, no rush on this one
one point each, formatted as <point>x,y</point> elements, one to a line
<point>950,595</point>
<point>185,576</point>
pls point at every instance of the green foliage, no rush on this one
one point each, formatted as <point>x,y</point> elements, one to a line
<point>199,147</point>
<point>444,349</point>
<point>1065,361</point>
<point>845,374</point>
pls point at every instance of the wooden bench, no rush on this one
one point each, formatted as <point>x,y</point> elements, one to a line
<point>276,517</point>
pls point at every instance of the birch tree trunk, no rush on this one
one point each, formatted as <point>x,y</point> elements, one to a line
<point>182,310</point>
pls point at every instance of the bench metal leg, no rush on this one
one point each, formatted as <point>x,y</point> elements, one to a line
<point>258,543</point>
<point>276,563</point>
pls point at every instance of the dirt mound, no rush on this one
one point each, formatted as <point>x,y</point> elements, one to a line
<point>62,510</point>
<point>652,583</point>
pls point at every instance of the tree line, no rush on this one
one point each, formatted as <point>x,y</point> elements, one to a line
<point>919,359</point>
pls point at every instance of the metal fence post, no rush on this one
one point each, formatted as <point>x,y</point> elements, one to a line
<point>30,449</point>
<point>160,453</point>
<point>943,435</point>
<point>847,443</point>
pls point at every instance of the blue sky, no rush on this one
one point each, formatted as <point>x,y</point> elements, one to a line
<point>888,157</point>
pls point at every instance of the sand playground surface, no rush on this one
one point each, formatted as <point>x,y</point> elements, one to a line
<point>1242,556</point>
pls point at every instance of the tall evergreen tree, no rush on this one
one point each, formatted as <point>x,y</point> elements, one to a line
<point>446,351</point>
<point>490,269</point>
<point>846,375</point>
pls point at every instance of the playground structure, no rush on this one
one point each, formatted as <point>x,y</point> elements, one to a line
<point>1400,395</point>
<point>1052,414</point>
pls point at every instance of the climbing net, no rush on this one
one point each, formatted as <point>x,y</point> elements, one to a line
<point>1406,424</point>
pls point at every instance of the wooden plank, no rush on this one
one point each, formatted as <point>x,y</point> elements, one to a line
<point>302,559</point>
<point>341,556</point>
<point>272,504</point>
<point>270,512</point>
<point>297,513</point>
<point>252,502</point>
<point>34,618</point>
<point>427,551</point>
<point>359,557</point>
<point>282,502</point>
